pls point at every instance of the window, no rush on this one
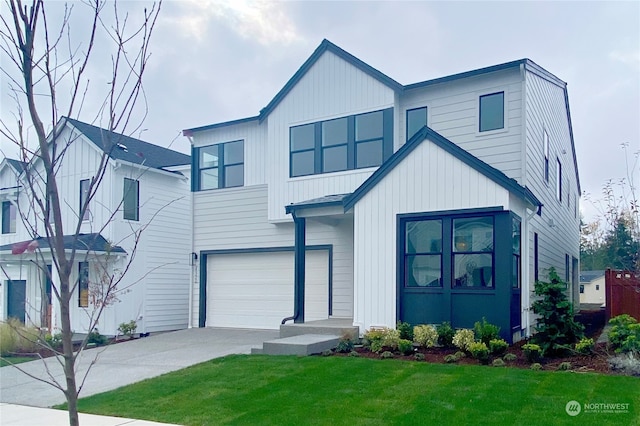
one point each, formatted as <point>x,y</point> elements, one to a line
<point>567,270</point>
<point>9,215</point>
<point>416,120</point>
<point>473,252</point>
<point>423,253</point>
<point>130,199</point>
<point>545,148</point>
<point>492,112</point>
<point>575,206</point>
<point>558,180</point>
<point>346,143</point>
<point>84,195</point>
<point>83,284</point>
<point>536,254</point>
<point>581,288</point>
<point>597,287</point>
<point>218,166</point>
<point>515,244</point>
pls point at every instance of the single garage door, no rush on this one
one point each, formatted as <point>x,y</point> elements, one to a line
<point>255,290</point>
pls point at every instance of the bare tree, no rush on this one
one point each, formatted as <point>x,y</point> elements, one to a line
<point>46,65</point>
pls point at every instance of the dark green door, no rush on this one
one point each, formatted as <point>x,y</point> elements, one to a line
<point>16,292</point>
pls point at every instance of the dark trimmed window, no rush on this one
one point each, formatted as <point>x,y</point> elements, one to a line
<point>515,269</point>
<point>83,284</point>
<point>346,143</point>
<point>559,180</point>
<point>130,199</point>
<point>84,194</point>
<point>473,252</point>
<point>545,149</point>
<point>423,253</point>
<point>567,270</point>
<point>218,166</point>
<point>536,254</point>
<point>9,216</point>
<point>416,120</point>
<point>492,112</point>
<point>581,288</point>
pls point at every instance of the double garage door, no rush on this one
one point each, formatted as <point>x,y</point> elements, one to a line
<point>255,290</point>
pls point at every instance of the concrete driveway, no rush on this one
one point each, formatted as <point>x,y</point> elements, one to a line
<point>129,362</point>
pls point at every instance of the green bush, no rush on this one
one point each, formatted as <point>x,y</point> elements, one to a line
<point>419,357</point>
<point>463,339</point>
<point>486,332</point>
<point>498,363</point>
<point>15,337</point>
<point>405,329</point>
<point>536,366</point>
<point>8,338</point>
<point>585,346</point>
<point>479,351</point>
<point>405,346</point>
<point>557,330</point>
<point>450,359</point>
<point>386,355</point>
<point>327,352</point>
<point>532,352</point>
<point>377,339</point>
<point>624,335</point>
<point>97,338</point>
<point>128,328</point>
<point>564,366</point>
<point>510,357</point>
<point>354,354</point>
<point>425,335</point>
<point>445,334</point>
<point>345,344</point>
<point>498,346</point>
<point>460,355</point>
<point>54,341</point>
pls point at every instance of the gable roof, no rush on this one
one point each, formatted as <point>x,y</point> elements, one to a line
<point>453,149</point>
<point>94,242</point>
<point>126,148</point>
<point>588,276</point>
<point>16,164</point>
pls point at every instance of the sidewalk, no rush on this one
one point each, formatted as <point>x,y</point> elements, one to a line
<point>21,415</point>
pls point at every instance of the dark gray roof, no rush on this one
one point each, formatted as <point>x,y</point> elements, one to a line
<point>129,149</point>
<point>16,164</point>
<point>327,200</point>
<point>588,276</point>
<point>83,242</point>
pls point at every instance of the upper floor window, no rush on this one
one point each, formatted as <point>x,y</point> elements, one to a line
<point>83,284</point>
<point>9,216</point>
<point>84,195</point>
<point>558,180</point>
<point>545,148</point>
<point>130,199</point>
<point>416,120</point>
<point>218,166</point>
<point>492,112</point>
<point>345,143</point>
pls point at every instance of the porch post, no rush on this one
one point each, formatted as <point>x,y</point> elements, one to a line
<point>299,266</point>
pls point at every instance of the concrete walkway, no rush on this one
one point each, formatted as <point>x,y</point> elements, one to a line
<point>124,363</point>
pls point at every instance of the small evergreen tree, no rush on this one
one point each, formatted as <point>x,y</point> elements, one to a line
<point>556,328</point>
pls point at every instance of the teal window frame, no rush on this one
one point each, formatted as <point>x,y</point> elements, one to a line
<point>222,166</point>
<point>131,199</point>
<point>490,119</point>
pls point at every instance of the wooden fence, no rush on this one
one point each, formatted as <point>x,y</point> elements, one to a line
<point>622,292</point>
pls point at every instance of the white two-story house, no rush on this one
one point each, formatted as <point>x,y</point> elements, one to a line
<point>353,196</point>
<point>137,226</point>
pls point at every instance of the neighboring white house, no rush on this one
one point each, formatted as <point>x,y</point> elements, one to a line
<point>441,200</point>
<point>144,191</point>
<point>592,289</point>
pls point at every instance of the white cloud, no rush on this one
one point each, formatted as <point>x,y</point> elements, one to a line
<point>631,57</point>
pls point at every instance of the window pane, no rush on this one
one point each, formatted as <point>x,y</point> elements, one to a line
<point>83,284</point>
<point>473,234</point>
<point>302,163</point>
<point>334,132</point>
<point>334,159</point>
<point>302,137</point>
<point>515,236</point>
<point>209,178</point>
<point>209,156</point>
<point>424,236</point>
<point>234,152</point>
<point>130,199</point>
<point>369,154</point>
<point>416,120</point>
<point>515,272</point>
<point>423,271</point>
<point>234,175</point>
<point>369,126</point>
<point>492,112</point>
<point>558,180</point>
<point>84,194</point>
<point>473,270</point>
<point>9,214</point>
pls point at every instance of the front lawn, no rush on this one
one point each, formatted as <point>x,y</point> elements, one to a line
<point>259,389</point>
<point>9,360</point>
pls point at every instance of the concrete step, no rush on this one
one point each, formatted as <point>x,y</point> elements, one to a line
<point>257,351</point>
<point>327,328</point>
<point>306,344</point>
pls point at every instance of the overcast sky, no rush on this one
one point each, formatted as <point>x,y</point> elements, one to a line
<point>215,61</point>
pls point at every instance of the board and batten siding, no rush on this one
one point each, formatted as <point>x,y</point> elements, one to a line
<point>546,110</point>
<point>331,88</point>
<point>241,223</point>
<point>453,111</point>
<point>428,180</point>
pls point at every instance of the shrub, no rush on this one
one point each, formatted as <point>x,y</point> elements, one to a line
<point>405,346</point>
<point>485,332</point>
<point>450,359</point>
<point>425,335</point>
<point>532,352</point>
<point>327,352</point>
<point>498,363</point>
<point>97,338</point>
<point>510,357</point>
<point>627,363</point>
<point>405,329</point>
<point>54,341</point>
<point>345,344</point>
<point>498,346</point>
<point>419,357</point>
<point>463,339</point>
<point>445,334</point>
<point>378,338</point>
<point>585,346</point>
<point>557,330</point>
<point>460,355</point>
<point>564,366</point>
<point>624,335</point>
<point>479,351</point>
<point>536,366</point>
<point>16,337</point>
<point>386,355</point>
<point>7,338</point>
<point>354,354</point>
<point>128,328</point>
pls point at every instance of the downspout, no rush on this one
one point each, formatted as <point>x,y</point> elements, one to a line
<point>299,270</point>
<point>193,261</point>
<point>526,274</point>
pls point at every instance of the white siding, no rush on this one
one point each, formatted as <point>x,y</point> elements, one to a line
<point>591,293</point>
<point>429,179</point>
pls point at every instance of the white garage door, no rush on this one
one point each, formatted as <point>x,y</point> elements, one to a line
<point>255,290</point>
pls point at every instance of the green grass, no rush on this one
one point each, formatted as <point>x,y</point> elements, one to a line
<point>8,360</point>
<point>282,390</point>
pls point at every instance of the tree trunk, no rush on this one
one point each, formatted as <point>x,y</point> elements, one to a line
<point>67,349</point>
